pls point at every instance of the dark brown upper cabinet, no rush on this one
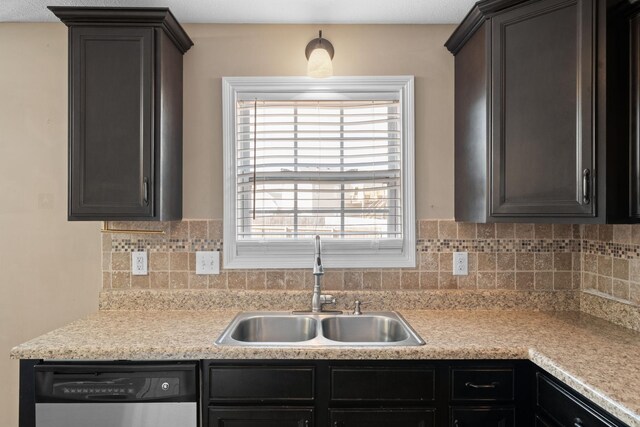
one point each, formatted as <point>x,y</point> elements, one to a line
<point>125,113</point>
<point>629,24</point>
<point>533,113</point>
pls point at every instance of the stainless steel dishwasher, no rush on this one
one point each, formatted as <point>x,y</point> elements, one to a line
<point>116,395</point>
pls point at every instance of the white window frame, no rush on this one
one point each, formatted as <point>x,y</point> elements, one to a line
<point>365,253</point>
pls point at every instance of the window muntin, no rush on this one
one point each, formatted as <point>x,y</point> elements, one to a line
<point>377,233</point>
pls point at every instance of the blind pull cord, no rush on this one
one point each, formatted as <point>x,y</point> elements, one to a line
<point>255,142</point>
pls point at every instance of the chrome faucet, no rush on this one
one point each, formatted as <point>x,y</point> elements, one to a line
<point>318,300</point>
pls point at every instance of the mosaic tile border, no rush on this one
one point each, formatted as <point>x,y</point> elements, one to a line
<point>500,245</point>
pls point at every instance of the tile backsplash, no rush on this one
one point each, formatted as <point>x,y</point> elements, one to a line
<point>501,256</point>
<point>611,261</point>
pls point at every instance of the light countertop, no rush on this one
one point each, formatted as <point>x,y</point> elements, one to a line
<point>598,359</point>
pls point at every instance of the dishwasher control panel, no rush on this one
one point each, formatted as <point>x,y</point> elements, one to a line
<point>115,383</point>
<point>121,388</point>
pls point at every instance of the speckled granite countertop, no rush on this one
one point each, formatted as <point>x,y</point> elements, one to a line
<point>597,358</point>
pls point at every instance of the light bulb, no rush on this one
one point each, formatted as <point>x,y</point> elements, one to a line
<point>319,65</point>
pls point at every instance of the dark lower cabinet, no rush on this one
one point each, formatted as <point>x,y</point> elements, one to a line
<point>383,384</point>
<point>398,417</point>
<point>541,422</point>
<point>367,393</point>
<point>483,417</point>
<point>558,405</point>
<point>260,417</point>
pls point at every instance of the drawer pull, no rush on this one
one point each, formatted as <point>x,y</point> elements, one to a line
<point>472,385</point>
<point>577,422</point>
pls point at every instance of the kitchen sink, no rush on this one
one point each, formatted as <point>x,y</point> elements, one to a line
<point>364,328</point>
<point>285,329</point>
<point>275,329</point>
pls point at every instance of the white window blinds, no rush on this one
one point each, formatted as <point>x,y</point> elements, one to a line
<point>328,167</point>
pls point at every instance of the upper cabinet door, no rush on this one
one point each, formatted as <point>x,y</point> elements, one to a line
<point>634,100</point>
<point>542,141</point>
<point>111,144</point>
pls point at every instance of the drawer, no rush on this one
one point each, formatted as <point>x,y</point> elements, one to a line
<point>260,417</point>
<point>482,384</point>
<point>564,408</point>
<point>382,384</point>
<point>258,383</point>
<point>543,422</point>
<point>414,417</point>
<point>483,417</point>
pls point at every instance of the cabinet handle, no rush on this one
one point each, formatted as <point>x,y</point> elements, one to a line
<point>585,186</point>
<point>145,183</point>
<point>492,385</point>
<point>577,422</point>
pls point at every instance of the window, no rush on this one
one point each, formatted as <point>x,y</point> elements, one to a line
<point>332,157</point>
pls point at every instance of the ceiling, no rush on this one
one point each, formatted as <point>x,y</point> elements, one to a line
<point>266,11</point>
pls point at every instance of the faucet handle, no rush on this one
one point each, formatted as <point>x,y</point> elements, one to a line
<point>327,299</point>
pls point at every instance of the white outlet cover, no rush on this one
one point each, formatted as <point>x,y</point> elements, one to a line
<point>207,262</point>
<point>460,263</point>
<point>139,263</point>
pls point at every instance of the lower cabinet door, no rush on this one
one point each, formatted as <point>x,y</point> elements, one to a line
<point>396,417</point>
<point>483,417</point>
<point>260,417</point>
<point>542,422</point>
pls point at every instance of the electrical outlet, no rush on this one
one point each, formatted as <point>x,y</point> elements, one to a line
<point>460,264</point>
<point>207,262</point>
<point>139,263</point>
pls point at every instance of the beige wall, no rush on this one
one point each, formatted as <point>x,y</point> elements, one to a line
<point>49,268</point>
<point>246,50</point>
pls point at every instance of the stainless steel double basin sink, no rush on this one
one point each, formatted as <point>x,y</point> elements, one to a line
<point>285,329</point>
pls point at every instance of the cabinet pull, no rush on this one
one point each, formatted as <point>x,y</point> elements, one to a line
<point>577,422</point>
<point>492,385</point>
<point>145,184</point>
<point>585,186</point>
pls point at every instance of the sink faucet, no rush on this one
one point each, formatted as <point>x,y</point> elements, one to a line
<point>319,300</point>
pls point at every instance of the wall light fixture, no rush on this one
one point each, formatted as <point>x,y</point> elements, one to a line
<point>319,53</point>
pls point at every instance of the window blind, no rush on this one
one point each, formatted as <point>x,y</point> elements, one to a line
<point>329,167</point>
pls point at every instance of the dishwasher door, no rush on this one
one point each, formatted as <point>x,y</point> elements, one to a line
<point>169,414</point>
<point>116,395</point>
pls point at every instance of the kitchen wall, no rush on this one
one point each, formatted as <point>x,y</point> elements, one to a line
<point>49,268</point>
<point>263,50</point>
